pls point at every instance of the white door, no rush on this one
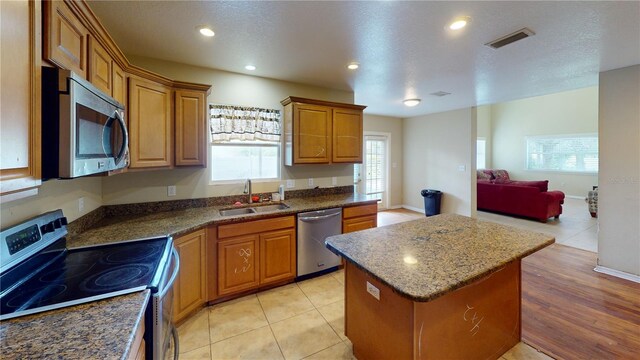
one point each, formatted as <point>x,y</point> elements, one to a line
<point>371,177</point>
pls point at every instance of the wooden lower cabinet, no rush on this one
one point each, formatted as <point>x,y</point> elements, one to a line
<point>358,218</point>
<point>137,350</point>
<point>277,255</point>
<point>255,253</point>
<point>238,264</point>
<point>190,288</point>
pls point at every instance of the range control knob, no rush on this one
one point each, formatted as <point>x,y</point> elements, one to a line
<point>57,223</point>
<point>63,220</point>
<point>47,228</point>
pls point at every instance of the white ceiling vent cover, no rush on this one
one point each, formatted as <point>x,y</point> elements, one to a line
<point>440,93</point>
<point>511,38</point>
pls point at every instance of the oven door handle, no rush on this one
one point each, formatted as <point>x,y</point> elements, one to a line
<point>176,269</point>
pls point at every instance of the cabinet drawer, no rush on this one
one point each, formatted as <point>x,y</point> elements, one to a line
<point>252,227</point>
<point>362,210</point>
<point>359,223</point>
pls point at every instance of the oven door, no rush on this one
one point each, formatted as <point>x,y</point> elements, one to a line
<point>164,334</point>
<point>98,137</point>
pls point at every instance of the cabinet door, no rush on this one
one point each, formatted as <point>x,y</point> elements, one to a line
<point>100,66</point>
<point>359,223</point>
<point>277,255</point>
<point>65,39</point>
<point>150,124</point>
<point>311,134</point>
<point>118,83</point>
<point>190,289</point>
<point>20,98</point>
<point>347,136</point>
<point>191,127</point>
<point>238,264</point>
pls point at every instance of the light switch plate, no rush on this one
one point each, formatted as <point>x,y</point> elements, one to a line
<point>374,291</point>
<point>334,181</point>
<point>310,182</point>
<point>462,168</point>
<point>291,183</point>
<point>171,190</point>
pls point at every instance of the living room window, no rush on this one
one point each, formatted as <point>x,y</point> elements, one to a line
<point>481,153</point>
<point>565,153</point>
<point>245,143</point>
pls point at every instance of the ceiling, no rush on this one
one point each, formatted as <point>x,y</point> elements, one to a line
<point>404,48</point>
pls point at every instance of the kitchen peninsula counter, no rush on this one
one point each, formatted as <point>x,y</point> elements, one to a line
<point>446,286</point>
<point>179,222</point>
<point>102,329</point>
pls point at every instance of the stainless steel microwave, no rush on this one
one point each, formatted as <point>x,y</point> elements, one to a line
<point>83,130</point>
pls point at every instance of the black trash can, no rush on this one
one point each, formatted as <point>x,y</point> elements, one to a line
<point>432,199</point>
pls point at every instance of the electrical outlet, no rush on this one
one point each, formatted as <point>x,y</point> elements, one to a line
<point>81,205</point>
<point>171,190</point>
<point>374,291</point>
<point>291,183</point>
<point>310,182</point>
<point>462,168</point>
<point>334,181</point>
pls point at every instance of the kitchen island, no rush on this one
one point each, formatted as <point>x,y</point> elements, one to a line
<point>443,287</point>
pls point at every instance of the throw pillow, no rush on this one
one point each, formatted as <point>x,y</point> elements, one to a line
<point>500,174</point>
<point>483,175</point>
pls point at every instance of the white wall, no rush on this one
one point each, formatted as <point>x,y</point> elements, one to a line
<point>52,195</point>
<point>233,89</point>
<point>434,147</point>
<point>393,126</point>
<point>619,177</point>
<point>570,112</point>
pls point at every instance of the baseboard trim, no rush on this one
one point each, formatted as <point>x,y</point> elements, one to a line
<point>617,273</point>
<point>575,197</point>
<point>395,207</point>
<point>413,208</point>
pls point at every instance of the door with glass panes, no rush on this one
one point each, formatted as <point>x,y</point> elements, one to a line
<point>371,177</point>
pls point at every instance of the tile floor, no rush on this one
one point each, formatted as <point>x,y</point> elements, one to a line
<point>305,320</point>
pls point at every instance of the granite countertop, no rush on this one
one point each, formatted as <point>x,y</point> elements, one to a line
<point>102,329</point>
<point>427,258</point>
<point>179,222</point>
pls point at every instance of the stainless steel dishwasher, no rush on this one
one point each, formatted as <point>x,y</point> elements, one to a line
<point>313,228</point>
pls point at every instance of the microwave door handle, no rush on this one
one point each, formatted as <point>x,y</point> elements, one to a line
<point>173,276</point>
<point>125,135</point>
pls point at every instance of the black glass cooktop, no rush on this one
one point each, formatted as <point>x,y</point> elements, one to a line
<point>87,274</point>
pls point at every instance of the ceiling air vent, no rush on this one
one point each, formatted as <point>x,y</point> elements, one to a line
<point>511,38</point>
<point>440,93</point>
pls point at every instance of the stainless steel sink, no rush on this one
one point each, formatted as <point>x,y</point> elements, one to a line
<point>240,211</point>
<point>273,207</point>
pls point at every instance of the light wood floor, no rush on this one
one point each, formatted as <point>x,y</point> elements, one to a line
<point>570,311</point>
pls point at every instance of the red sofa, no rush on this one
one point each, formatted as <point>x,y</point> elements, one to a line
<point>523,198</point>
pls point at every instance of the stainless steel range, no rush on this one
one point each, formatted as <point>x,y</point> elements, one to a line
<point>38,273</point>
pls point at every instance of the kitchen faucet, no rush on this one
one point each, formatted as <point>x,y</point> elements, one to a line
<point>247,189</point>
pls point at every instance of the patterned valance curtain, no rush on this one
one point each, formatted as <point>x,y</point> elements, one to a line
<point>229,122</point>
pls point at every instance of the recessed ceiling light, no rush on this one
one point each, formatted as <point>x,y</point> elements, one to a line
<point>250,67</point>
<point>206,31</point>
<point>459,23</point>
<point>411,102</point>
<point>353,66</point>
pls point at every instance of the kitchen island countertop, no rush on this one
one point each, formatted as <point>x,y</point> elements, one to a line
<point>427,258</point>
<point>102,329</point>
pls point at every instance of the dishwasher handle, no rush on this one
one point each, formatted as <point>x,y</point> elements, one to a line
<point>317,218</point>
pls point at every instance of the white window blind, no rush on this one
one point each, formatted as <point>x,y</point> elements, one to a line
<point>566,153</point>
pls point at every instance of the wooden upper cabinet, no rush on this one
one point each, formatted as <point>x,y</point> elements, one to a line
<point>347,136</point>
<point>150,124</point>
<point>119,84</point>
<point>100,67</point>
<point>191,128</point>
<point>321,132</point>
<point>20,98</point>
<point>65,41</point>
<point>190,288</point>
